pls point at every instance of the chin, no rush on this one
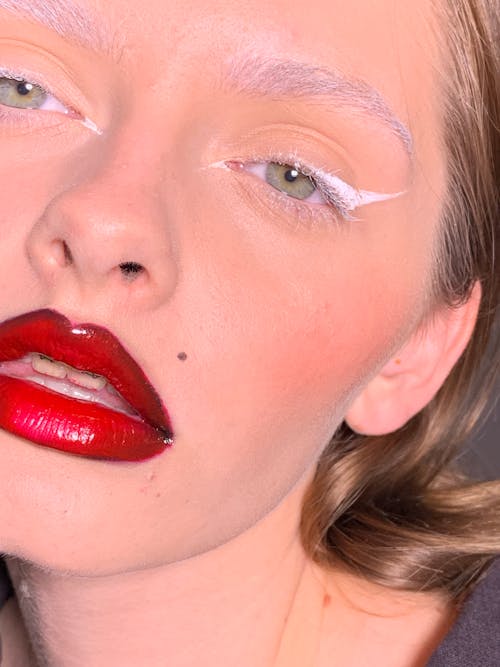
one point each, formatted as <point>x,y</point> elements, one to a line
<point>75,516</point>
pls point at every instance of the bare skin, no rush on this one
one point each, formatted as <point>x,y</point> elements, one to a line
<point>286,311</point>
<point>268,606</point>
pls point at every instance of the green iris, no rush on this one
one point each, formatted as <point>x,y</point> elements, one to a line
<point>289,180</point>
<point>21,94</point>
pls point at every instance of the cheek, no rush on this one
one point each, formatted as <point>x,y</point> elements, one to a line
<point>279,328</point>
<point>276,349</point>
<point>287,331</point>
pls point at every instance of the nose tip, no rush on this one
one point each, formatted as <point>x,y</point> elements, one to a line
<point>93,244</point>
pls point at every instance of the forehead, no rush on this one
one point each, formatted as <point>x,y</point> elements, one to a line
<point>388,48</point>
<point>394,35</point>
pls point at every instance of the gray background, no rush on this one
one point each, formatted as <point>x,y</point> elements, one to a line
<point>482,453</point>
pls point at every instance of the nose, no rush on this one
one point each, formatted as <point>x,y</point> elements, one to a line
<point>104,238</point>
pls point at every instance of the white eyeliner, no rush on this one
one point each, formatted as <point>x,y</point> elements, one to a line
<point>352,197</point>
<point>86,122</point>
<point>349,197</point>
<point>19,76</point>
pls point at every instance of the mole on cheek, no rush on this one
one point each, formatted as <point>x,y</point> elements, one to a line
<point>182,356</point>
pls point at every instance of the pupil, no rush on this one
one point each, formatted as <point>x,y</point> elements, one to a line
<point>24,88</point>
<point>291,175</point>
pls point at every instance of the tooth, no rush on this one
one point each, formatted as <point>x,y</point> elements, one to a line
<point>86,380</point>
<point>73,391</point>
<point>47,366</point>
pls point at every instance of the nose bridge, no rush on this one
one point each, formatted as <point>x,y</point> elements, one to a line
<point>110,214</point>
<point>131,162</point>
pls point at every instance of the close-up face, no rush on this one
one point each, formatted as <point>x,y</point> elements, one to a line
<point>277,171</point>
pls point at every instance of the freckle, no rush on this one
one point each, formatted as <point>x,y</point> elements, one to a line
<point>397,361</point>
<point>158,495</point>
<point>182,356</point>
<point>151,476</point>
<point>326,600</point>
<point>143,489</point>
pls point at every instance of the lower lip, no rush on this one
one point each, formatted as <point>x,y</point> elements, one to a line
<point>76,427</point>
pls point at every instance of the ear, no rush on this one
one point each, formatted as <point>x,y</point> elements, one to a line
<point>413,376</point>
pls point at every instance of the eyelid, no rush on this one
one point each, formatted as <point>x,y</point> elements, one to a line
<point>346,198</point>
<point>20,74</point>
<point>59,106</point>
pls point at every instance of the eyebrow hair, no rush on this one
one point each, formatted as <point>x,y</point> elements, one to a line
<point>68,19</point>
<point>251,75</point>
<point>290,78</point>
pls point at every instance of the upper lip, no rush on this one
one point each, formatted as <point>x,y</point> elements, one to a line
<point>87,347</point>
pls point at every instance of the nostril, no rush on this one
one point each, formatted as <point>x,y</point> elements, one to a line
<point>131,269</point>
<point>60,253</point>
<point>68,257</point>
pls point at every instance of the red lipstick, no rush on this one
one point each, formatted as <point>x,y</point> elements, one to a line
<point>44,409</point>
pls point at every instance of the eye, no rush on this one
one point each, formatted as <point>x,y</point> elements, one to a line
<point>288,179</point>
<point>22,94</point>
<point>309,184</point>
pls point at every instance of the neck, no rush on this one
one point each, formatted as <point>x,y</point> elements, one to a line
<point>234,605</point>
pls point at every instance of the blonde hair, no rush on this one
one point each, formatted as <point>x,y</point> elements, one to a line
<point>398,509</point>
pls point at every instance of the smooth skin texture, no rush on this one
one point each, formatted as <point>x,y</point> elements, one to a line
<point>291,319</point>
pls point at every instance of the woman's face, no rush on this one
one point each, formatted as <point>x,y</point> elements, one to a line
<point>259,315</point>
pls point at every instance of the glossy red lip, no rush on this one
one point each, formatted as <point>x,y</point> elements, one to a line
<point>71,425</point>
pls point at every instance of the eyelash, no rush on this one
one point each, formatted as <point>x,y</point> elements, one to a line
<point>327,184</point>
<point>331,196</point>
<point>25,77</point>
<point>13,115</point>
<point>334,202</point>
<point>340,197</point>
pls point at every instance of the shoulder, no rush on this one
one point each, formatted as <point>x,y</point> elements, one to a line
<point>474,639</point>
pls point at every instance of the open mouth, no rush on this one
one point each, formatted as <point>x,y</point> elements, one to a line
<point>68,381</point>
<point>76,389</point>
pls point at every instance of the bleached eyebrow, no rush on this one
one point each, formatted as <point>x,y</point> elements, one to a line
<point>249,75</point>
<point>68,19</point>
<point>294,79</point>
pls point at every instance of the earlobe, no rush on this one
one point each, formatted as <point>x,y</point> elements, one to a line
<point>414,375</point>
